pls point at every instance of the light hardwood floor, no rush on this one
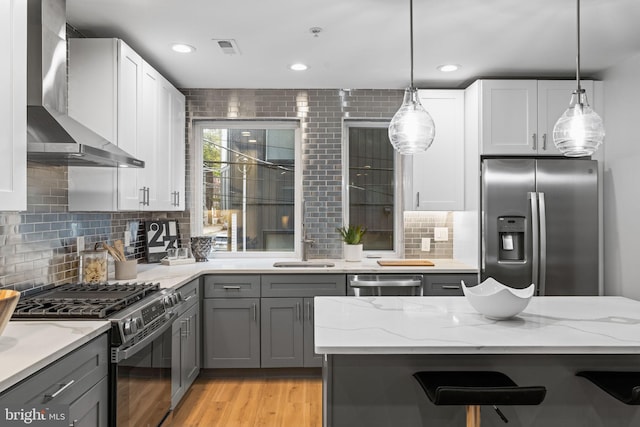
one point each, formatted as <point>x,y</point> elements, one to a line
<point>249,402</point>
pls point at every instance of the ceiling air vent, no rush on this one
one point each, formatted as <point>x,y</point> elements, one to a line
<point>228,46</point>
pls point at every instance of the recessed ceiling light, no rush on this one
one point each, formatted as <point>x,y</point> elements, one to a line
<point>298,67</point>
<point>182,48</point>
<point>447,68</point>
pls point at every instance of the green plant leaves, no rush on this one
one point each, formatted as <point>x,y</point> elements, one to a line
<point>352,234</point>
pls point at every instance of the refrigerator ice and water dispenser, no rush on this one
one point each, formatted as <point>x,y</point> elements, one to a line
<point>511,238</point>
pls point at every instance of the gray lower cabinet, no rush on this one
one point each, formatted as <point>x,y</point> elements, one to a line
<point>282,332</point>
<point>447,284</point>
<point>287,317</point>
<point>185,346</point>
<point>311,358</point>
<point>91,409</point>
<point>287,333</point>
<point>78,379</point>
<point>231,332</point>
<point>231,321</point>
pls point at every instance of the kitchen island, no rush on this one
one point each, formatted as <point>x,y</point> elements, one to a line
<point>373,345</point>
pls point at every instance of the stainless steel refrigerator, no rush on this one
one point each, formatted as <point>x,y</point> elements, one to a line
<point>540,224</point>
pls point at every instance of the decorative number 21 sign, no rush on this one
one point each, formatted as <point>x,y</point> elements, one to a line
<point>160,236</point>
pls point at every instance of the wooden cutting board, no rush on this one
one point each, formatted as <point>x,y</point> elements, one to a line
<point>406,263</point>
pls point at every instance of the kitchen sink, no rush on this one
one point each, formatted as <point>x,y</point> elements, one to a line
<point>309,264</point>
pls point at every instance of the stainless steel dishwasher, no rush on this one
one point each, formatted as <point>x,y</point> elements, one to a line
<point>385,284</point>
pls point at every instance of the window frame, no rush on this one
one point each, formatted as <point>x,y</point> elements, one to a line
<point>398,161</point>
<point>196,170</point>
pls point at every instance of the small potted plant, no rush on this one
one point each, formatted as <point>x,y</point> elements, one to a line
<point>352,238</point>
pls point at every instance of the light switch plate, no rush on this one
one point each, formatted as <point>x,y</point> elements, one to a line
<point>441,234</point>
<point>426,244</point>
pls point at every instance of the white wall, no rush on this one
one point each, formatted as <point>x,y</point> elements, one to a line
<point>466,238</point>
<point>622,179</point>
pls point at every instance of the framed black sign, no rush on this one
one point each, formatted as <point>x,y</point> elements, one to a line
<point>160,235</point>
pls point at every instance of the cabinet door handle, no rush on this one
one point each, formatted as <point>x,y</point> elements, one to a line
<point>255,312</point>
<point>229,287</point>
<point>177,198</point>
<point>185,328</point>
<point>534,137</point>
<point>544,141</point>
<point>418,199</point>
<point>145,196</point>
<point>298,311</point>
<point>309,311</point>
<point>456,287</point>
<point>60,390</point>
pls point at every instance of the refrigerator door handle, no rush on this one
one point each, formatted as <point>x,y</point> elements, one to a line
<point>543,243</point>
<point>535,235</point>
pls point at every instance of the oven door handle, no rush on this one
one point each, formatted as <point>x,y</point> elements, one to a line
<point>118,354</point>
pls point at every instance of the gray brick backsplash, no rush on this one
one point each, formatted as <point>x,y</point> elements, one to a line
<point>37,246</point>
<point>418,225</point>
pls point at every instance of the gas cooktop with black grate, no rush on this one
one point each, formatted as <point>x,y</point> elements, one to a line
<point>81,301</point>
<point>135,310</point>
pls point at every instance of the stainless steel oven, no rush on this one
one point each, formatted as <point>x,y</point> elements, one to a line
<point>141,316</point>
<point>141,362</point>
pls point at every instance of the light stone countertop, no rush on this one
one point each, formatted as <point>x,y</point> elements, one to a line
<point>28,346</point>
<point>449,325</point>
<point>177,275</point>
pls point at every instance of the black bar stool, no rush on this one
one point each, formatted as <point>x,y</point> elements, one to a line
<point>624,386</point>
<point>475,388</point>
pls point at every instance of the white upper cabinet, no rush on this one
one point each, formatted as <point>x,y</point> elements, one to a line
<point>177,164</point>
<point>434,180</point>
<point>117,94</point>
<point>13,105</point>
<point>171,171</point>
<point>128,111</point>
<point>553,100</point>
<point>150,147</point>
<point>517,116</point>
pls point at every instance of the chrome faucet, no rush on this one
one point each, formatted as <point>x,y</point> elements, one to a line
<point>305,241</point>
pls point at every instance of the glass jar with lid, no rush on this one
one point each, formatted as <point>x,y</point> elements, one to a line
<point>93,266</point>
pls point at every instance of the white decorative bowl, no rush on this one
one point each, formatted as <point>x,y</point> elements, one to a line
<point>497,301</point>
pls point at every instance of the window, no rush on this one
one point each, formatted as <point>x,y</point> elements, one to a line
<point>248,185</point>
<point>372,174</point>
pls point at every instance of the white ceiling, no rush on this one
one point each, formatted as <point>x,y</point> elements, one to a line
<point>364,43</point>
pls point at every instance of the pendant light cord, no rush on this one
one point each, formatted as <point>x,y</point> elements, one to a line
<point>411,34</point>
<point>578,39</point>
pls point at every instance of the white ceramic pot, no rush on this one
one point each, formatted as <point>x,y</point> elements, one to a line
<point>352,253</point>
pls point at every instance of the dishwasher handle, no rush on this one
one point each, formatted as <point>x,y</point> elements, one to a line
<point>415,281</point>
<point>385,283</point>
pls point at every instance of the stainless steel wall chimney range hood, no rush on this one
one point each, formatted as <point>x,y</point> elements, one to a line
<point>53,137</point>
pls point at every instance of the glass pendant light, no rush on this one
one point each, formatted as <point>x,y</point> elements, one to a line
<point>579,131</point>
<point>411,130</point>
